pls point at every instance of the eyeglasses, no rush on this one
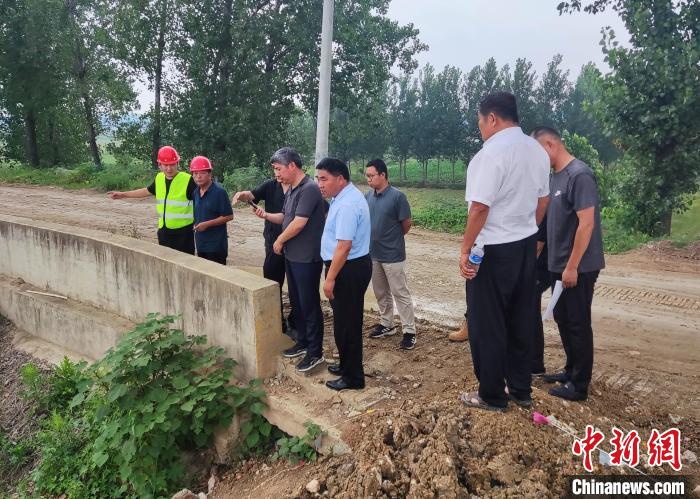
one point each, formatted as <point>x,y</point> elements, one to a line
<point>370,176</point>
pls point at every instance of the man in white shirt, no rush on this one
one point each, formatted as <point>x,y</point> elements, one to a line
<point>507,191</point>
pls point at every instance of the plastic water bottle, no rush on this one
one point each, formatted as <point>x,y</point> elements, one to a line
<point>475,257</point>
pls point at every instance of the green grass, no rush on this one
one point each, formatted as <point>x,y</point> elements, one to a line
<point>685,227</point>
<point>112,177</point>
<point>440,209</point>
<point>414,172</point>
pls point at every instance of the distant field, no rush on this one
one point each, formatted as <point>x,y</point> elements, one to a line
<point>433,208</point>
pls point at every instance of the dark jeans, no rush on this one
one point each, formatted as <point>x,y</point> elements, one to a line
<point>499,300</point>
<point>181,239</point>
<point>542,284</point>
<point>214,256</point>
<point>348,307</point>
<point>573,316</point>
<point>274,269</point>
<point>303,281</point>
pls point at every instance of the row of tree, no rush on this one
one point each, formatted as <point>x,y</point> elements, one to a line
<point>233,79</point>
<point>226,75</point>
<point>434,115</point>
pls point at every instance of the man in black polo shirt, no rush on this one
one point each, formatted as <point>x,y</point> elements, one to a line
<point>212,211</point>
<point>302,221</point>
<point>271,192</point>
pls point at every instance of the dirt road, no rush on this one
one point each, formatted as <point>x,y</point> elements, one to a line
<point>646,309</point>
<point>647,337</point>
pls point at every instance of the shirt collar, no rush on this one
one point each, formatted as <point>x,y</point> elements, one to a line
<point>303,181</point>
<point>511,130</point>
<point>377,194</point>
<point>345,190</point>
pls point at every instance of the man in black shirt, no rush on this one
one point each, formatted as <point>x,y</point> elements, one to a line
<point>175,225</point>
<point>271,192</point>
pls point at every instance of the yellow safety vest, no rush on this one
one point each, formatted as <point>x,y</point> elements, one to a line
<point>174,211</point>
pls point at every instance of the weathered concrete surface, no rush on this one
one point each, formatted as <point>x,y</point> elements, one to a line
<point>71,326</point>
<point>131,278</point>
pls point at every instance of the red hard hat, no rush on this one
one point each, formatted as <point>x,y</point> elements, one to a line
<point>200,164</point>
<point>167,155</point>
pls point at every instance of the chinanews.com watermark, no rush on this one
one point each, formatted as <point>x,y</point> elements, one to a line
<point>661,448</point>
<point>628,486</point>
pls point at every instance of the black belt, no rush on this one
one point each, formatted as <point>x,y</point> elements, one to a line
<point>327,263</point>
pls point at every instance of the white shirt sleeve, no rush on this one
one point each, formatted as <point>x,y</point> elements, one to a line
<point>484,179</point>
<point>543,189</point>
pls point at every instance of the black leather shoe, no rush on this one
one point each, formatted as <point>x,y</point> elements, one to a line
<point>334,369</point>
<point>341,384</point>
<point>561,377</point>
<point>568,392</point>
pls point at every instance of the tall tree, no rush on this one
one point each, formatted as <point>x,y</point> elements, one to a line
<point>403,119</point>
<point>648,103</point>
<point>523,87</point>
<point>552,94</point>
<point>581,118</point>
<point>145,33</point>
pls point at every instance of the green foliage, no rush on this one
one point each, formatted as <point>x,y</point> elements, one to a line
<point>646,103</point>
<point>258,436</point>
<point>122,176</point>
<point>14,456</point>
<point>119,427</point>
<point>244,179</point>
<point>441,214</point>
<point>52,391</point>
<point>299,449</point>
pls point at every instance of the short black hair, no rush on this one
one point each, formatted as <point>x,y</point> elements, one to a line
<point>502,104</point>
<point>539,131</point>
<point>335,167</point>
<point>380,166</point>
<point>285,156</point>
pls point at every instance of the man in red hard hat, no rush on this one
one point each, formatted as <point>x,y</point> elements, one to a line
<point>174,193</point>
<point>212,211</point>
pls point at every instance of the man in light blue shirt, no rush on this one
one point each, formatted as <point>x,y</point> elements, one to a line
<point>345,253</point>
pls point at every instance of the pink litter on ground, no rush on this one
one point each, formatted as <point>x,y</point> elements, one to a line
<point>538,418</point>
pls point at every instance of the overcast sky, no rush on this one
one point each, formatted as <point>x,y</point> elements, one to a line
<point>465,33</point>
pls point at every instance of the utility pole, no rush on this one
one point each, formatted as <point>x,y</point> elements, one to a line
<point>324,83</point>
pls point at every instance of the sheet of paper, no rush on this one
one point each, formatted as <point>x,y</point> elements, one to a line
<point>558,288</point>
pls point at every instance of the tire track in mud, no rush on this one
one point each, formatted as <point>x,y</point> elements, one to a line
<point>675,301</point>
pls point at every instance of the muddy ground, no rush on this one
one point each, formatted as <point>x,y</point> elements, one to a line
<point>422,443</point>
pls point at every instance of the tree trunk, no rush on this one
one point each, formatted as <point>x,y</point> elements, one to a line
<point>31,147</point>
<point>438,170</point>
<point>453,171</point>
<point>662,227</point>
<point>80,71</point>
<point>158,84</point>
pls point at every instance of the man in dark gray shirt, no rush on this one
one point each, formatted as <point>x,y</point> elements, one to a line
<point>391,221</point>
<point>302,221</point>
<point>575,256</point>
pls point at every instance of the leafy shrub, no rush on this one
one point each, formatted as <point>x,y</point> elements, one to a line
<point>131,415</point>
<point>296,449</point>
<point>244,179</point>
<point>52,391</point>
<point>13,457</point>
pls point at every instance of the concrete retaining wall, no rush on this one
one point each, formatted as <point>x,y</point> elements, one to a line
<point>130,278</point>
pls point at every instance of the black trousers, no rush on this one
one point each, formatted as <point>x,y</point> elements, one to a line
<point>348,307</point>
<point>214,256</point>
<point>541,285</point>
<point>499,300</point>
<point>573,317</point>
<point>303,281</point>
<point>181,239</point>
<point>274,269</point>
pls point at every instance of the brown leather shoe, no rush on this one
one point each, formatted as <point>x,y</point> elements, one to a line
<point>461,335</point>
